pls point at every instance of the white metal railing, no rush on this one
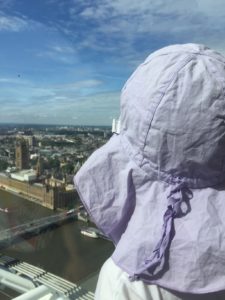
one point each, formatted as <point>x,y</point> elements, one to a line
<point>15,282</point>
<point>41,292</point>
<point>36,284</point>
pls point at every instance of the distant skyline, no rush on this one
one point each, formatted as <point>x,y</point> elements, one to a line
<point>65,61</point>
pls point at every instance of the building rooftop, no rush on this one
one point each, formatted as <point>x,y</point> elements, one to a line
<point>26,172</point>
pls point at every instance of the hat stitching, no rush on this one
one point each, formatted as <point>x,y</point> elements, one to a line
<point>153,174</point>
<point>150,114</point>
<point>138,155</point>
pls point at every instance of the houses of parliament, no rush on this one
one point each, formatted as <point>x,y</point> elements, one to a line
<point>48,192</point>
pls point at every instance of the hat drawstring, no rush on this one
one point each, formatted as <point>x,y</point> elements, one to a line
<point>179,194</point>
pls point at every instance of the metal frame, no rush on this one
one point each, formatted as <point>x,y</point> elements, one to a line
<point>36,284</point>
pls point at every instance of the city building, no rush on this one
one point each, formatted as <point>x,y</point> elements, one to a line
<point>30,139</point>
<point>39,166</point>
<point>22,155</point>
<point>54,197</point>
<point>116,126</point>
<point>24,175</point>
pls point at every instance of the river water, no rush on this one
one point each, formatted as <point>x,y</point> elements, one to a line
<point>62,251</point>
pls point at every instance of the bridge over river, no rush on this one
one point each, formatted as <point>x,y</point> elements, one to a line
<point>35,227</point>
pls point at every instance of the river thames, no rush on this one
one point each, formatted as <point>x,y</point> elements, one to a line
<point>62,250</point>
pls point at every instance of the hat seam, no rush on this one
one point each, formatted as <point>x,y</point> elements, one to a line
<point>162,175</point>
<point>150,114</point>
<point>182,64</point>
<point>184,52</point>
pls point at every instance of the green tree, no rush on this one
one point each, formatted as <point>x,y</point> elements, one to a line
<point>68,168</point>
<point>54,163</point>
<point>3,165</point>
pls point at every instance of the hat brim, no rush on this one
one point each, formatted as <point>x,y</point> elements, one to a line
<point>104,184</point>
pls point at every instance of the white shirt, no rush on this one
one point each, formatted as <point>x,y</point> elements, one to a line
<point>114,284</point>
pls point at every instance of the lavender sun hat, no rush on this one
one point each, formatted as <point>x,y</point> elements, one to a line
<point>157,189</point>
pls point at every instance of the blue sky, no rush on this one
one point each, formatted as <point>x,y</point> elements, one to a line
<point>65,61</point>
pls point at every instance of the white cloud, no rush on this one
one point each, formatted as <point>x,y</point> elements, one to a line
<point>18,80</point>
<point>113,35</point>
<point>128,19</point>
<point>87,12</point>
<point>93,109</point>
<point>15,23</point>
<point>56,56</point>
<point>120,24</point>
<point>211,8</point>
<point>85,84</point>
<point>63,49</point>
<point>54,103</point>
<point>12,23</point>
<point>151,17</point>
<point>96,109</point>
<point>62,53</point>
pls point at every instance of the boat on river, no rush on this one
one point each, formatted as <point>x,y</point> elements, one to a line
<point>90,232</point>
<point>93,232</point>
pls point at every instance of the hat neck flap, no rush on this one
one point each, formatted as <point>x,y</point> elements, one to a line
<point>180,194</point>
